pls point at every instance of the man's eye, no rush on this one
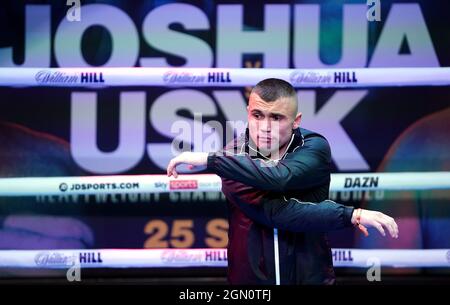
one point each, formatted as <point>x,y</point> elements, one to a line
<point>276,118</point>
<point>256,115</point>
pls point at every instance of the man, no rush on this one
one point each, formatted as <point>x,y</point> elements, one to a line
<point>272,177</point>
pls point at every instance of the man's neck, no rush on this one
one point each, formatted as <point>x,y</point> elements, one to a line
<point>277,154</point>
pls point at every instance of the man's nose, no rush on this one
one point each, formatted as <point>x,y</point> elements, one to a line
<point>265,125</point>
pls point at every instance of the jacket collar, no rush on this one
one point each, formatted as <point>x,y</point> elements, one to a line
<point>295,141</point>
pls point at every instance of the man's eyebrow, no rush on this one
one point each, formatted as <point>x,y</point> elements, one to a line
<point>270,114</point>
<point>278,114</point>
<point>256,110</point>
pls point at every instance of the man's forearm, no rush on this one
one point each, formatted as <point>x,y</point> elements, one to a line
<point>306,169</point>
<point>297,216</point>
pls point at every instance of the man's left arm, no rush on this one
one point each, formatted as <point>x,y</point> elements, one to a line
<point>299,216</point>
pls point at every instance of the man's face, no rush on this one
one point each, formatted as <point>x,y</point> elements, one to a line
<point>271,123</point>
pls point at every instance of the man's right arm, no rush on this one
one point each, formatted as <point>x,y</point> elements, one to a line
<point>307,167</point>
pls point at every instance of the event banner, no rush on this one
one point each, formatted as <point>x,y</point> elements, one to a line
<point>66,124</point>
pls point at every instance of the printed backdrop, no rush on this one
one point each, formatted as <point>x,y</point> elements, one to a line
<point>123,130</point>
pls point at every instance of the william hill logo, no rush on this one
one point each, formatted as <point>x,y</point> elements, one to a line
<point>219,77</point>
<point>342,256</point>
<point>216,256</point>
<point>345,77</point>
<point>55,77</point>
<point>91,77</point>
<point>90,257</point>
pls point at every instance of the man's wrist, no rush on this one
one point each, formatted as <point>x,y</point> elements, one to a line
<point>356,216</point>
<point>353,219</point>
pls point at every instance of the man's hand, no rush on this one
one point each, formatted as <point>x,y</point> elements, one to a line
<point>191,158</point>
<point>377,220</point>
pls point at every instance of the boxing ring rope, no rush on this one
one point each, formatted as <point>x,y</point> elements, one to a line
<point>162,258</point>
<point>212,77</point>
<point>209,257</point>
<point>221,77</point>
<point>30,186</point>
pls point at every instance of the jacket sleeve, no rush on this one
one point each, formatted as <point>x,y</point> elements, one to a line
<point>304,168</point>
<point>297,216</point>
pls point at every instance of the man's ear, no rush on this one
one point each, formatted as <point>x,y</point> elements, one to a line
<point>297,120</point>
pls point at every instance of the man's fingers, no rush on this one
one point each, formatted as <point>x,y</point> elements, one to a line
<point>381,221</point>
<point>174,172</point>
<point>170,167</point>
<point>387,224</point>
<point>384,221</point>
<point>395,227</point>
<point>379,227</point>
<point>394,224</point>
<point>390,224</point>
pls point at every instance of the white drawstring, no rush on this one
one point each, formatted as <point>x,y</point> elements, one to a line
<point>277,257</point>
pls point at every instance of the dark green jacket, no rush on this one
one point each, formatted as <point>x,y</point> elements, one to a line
<point>289,194</point>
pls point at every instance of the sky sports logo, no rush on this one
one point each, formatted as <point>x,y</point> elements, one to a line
<point>64,187</point>
<point>183,185</point>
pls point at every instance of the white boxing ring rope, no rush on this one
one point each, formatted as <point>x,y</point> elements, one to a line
<point>31,186</point>
<point>161,258</point>
<point>212,77</point>
<point>177,258</point>
<point>222,77</point>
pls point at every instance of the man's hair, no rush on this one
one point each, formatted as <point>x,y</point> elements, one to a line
<point>271,89</point>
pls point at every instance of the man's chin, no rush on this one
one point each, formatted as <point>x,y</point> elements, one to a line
<point>267,149</point>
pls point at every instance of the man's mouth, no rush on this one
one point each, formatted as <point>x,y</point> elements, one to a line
<point>265,139</point>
